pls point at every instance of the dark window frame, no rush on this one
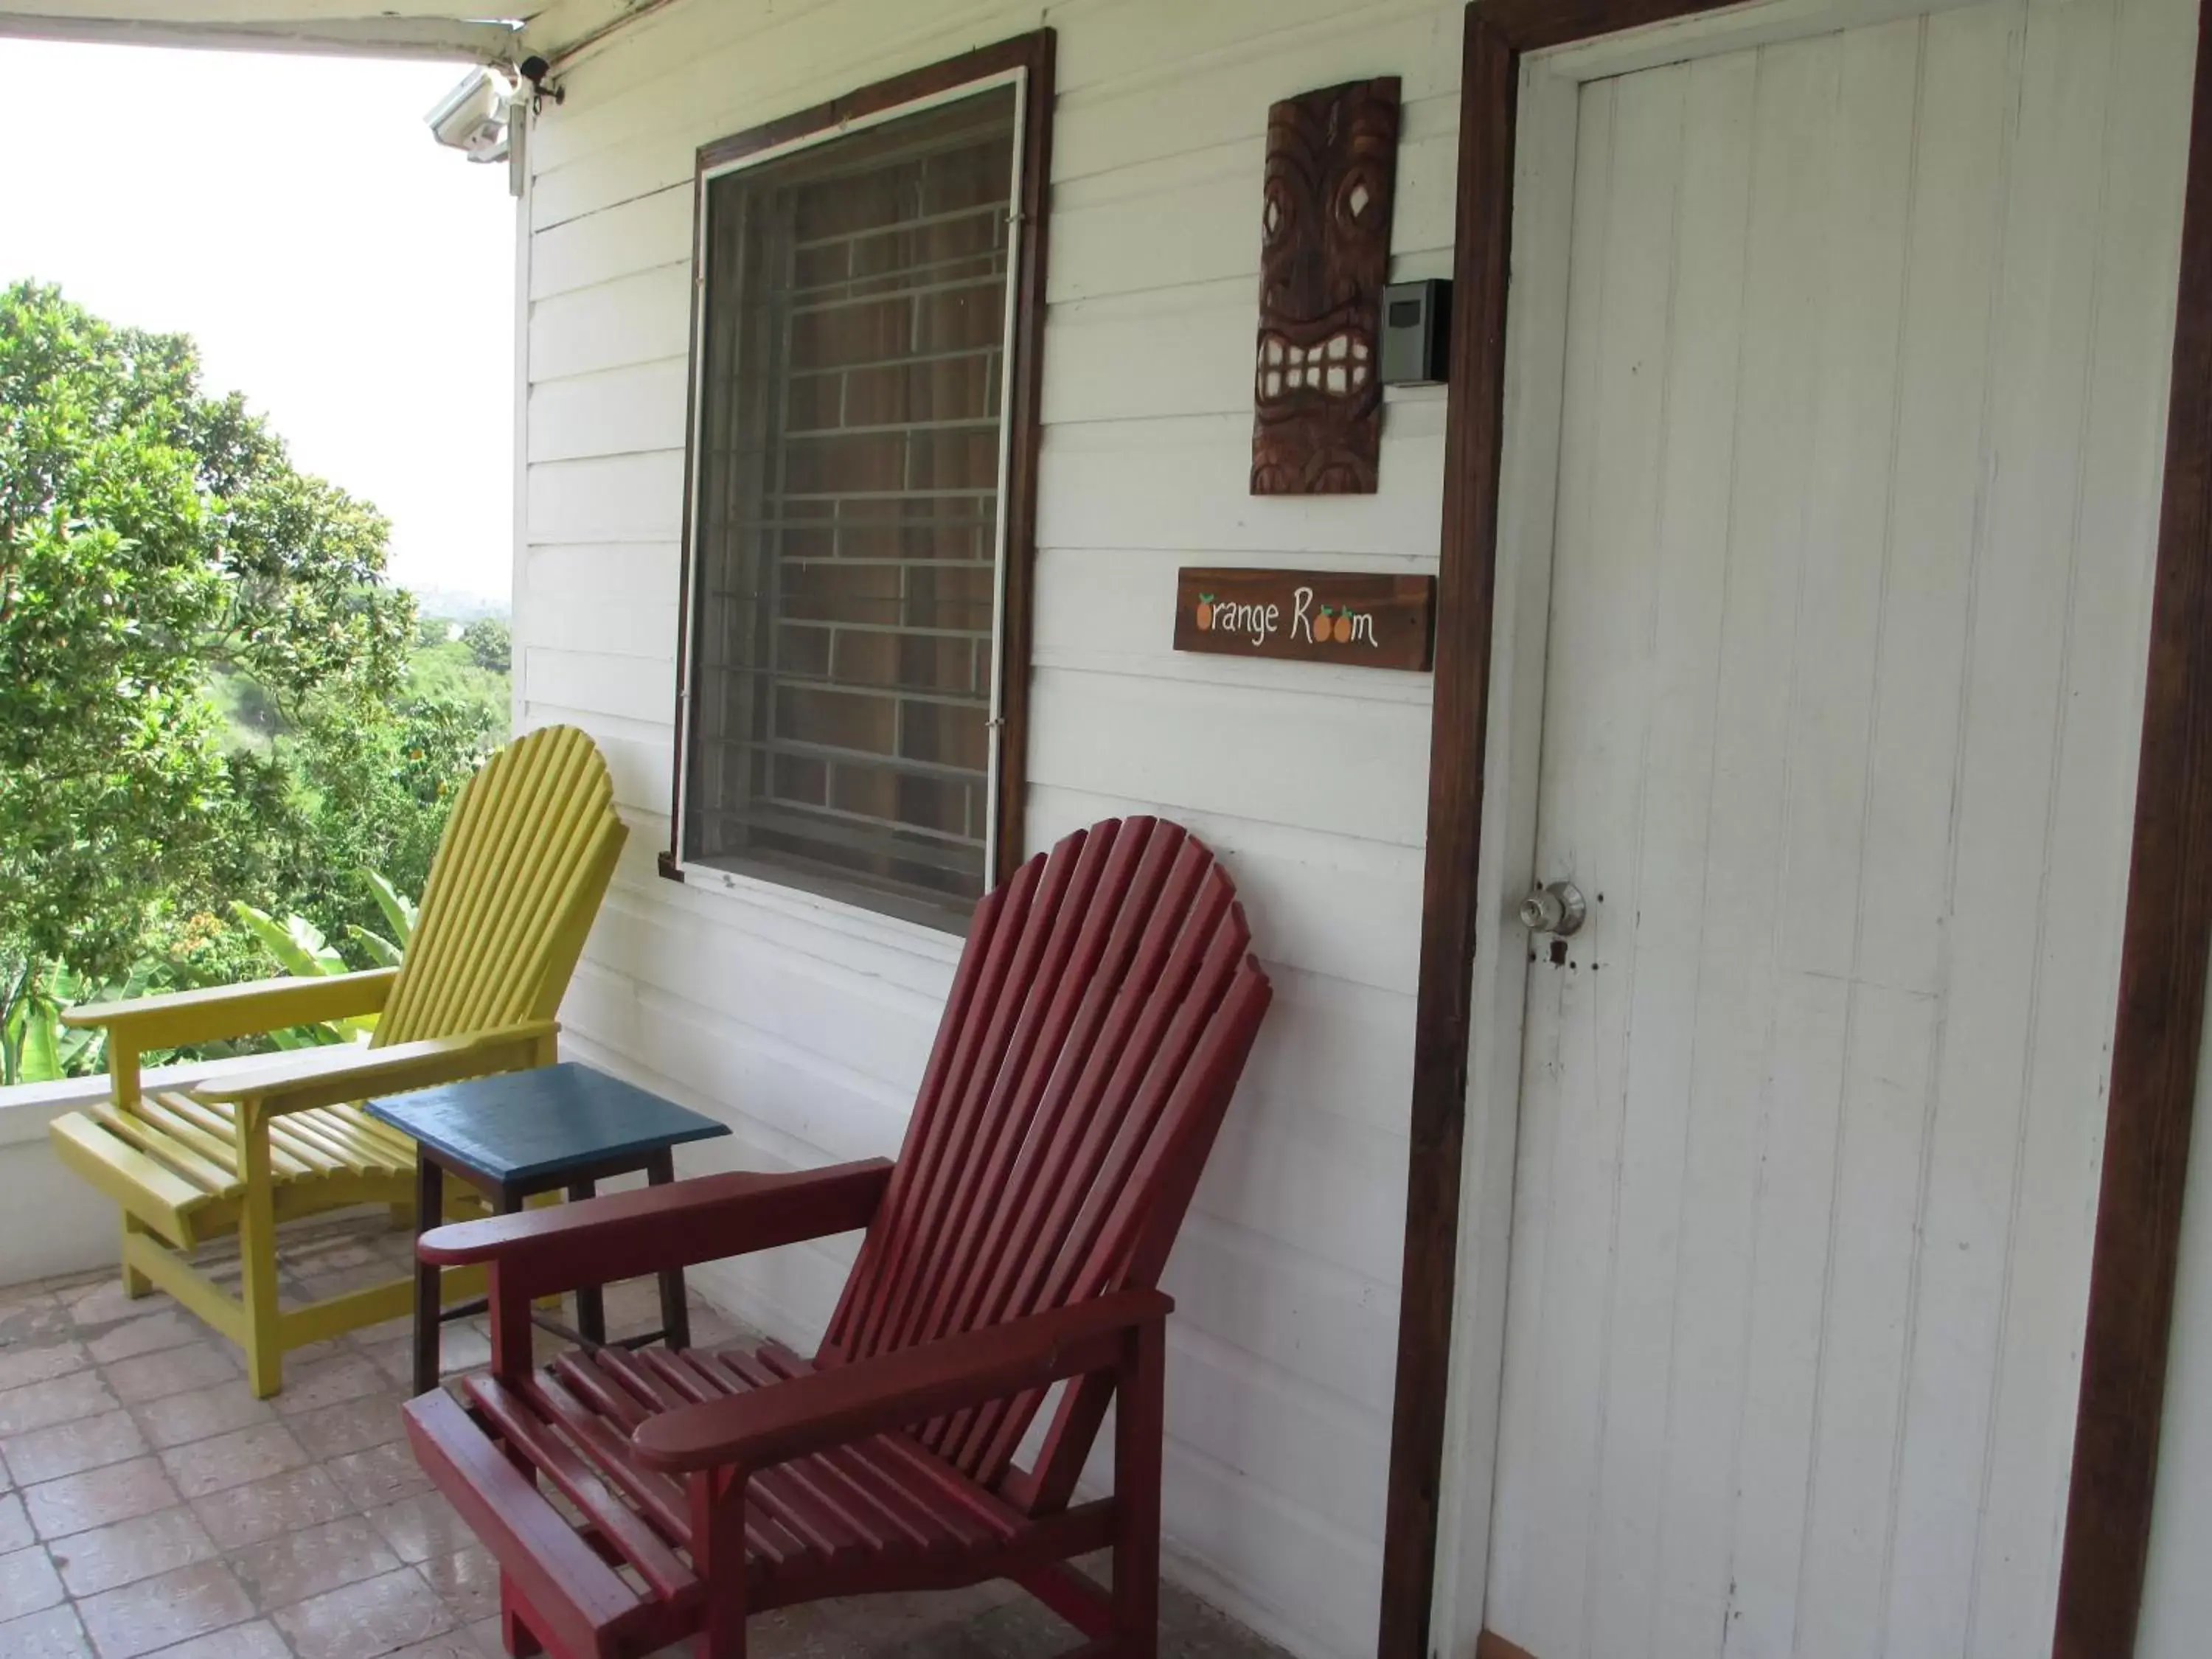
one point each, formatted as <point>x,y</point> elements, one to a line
<point>1030,58</point>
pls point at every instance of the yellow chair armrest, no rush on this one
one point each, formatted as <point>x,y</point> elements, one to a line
<point>307,1078</point>
<point>232,1010</point>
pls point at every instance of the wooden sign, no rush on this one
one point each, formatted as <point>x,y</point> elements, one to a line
<point>1352,618</point>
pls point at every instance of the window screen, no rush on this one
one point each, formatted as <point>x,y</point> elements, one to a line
<point>846,508</point>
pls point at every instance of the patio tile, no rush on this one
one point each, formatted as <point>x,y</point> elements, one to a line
<point>176,1420</point>
<point>232,1459</point>
<point>14,1524</point>
<point>468,1580</point>
<point>381,1475</point>
<point>98,1497</point>
<point>53,1634</point>
<point>292,1501</point>
<point>109,1557</point>
<point>29,1582</point>
<point>61,1287</point>
<point>811,1632</point>
<point>366,1620</point>
<point>394,1356</point>
<point>166,1328</point>
<point>159,1613</point>
<point>101,1302</point>
<point>479,1641</point>
<point>258,1640</point>
<point>332,1252</point>
<point>150,1376</point>
<point>421,1527</point>
<point>35,1361</point>
<point>345,1376</point>
<point>42,1405</point>
<point>354,1425</point>
<point>320,1286</point>
<point>294,1565</point>
<point>33,1292</point>
<point>71,1448</point>
<point>387,1331</point>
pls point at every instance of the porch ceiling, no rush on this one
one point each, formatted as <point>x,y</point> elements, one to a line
<point>487,30</point>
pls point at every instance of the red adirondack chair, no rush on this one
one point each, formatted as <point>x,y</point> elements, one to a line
<point>1100,1016</point>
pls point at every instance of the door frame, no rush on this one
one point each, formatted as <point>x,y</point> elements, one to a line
<point>1523,60</point>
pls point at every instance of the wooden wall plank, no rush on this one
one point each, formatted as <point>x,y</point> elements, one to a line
<point>1957,204</point>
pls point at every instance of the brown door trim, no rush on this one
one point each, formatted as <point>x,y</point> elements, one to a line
<point>2168,928</point>
<point>2157,1033</point>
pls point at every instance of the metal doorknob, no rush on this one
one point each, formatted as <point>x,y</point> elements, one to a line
<point>1554,907</point>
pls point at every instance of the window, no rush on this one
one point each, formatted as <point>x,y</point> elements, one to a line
<point>859,519</point>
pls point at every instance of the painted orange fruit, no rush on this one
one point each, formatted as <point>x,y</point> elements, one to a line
<point>1205,611</point>
<point>1320,627</point>
<point>1344,628</point>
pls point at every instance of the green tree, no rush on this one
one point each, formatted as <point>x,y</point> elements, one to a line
<point>153,538</point>
<point>489,643</point>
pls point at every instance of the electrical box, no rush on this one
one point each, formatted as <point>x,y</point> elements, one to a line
<point>1416,332</point>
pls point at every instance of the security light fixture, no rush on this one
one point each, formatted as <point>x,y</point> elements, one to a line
<point>473,117</point>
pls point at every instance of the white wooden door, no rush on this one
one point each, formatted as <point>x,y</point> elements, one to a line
<point>1866,363</point>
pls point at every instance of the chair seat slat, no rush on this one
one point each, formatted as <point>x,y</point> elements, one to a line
<point>581,1485</point>
<point>146,1138</point>
<point>659,1498</point>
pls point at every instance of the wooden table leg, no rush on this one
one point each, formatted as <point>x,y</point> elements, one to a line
<point>429,1201</point>
<point>591,1301</point>
<point>675,1315</point>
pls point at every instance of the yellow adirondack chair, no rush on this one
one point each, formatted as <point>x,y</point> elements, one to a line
<point>524,862</point>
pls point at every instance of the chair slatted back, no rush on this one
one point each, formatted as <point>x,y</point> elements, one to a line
<point>525,859</point>
<point>1099,1021</point>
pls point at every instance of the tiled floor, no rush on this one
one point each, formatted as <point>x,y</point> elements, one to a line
<point>149,1505</point>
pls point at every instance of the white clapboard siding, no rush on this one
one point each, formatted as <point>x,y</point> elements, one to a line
<point>1315,762</point>
<point>636,318</point>
<point>1865,386</point>
<point>635,236</point>
<point>1105,126</point>
<point>1196,473</point>
<point>638,407</point>
<point>805,1023</point>
<point>632,688</point>
<point>634,498</point>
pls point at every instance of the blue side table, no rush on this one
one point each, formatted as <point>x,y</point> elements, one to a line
<point>523,1133</point>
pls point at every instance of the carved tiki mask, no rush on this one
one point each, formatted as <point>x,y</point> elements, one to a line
<point>1325,250</point>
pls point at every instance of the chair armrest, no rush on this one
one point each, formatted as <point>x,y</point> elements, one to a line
<point>847,1402</point>
<point>652,1228</point>
<point>326,1077</point>
<point>232,1010</point>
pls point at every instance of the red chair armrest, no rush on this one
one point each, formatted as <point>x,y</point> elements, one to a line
<point>596,1241</point>
<point>850,1401</point>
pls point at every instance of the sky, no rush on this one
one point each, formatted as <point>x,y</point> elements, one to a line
<point>352,277</point>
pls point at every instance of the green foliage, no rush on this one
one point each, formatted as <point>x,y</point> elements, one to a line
<point>42,1049</point>
<point>490,641</point>
<point>298,947</point>
<point>207,690</point>
<point>448,672</point>
<point>109,764</point>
